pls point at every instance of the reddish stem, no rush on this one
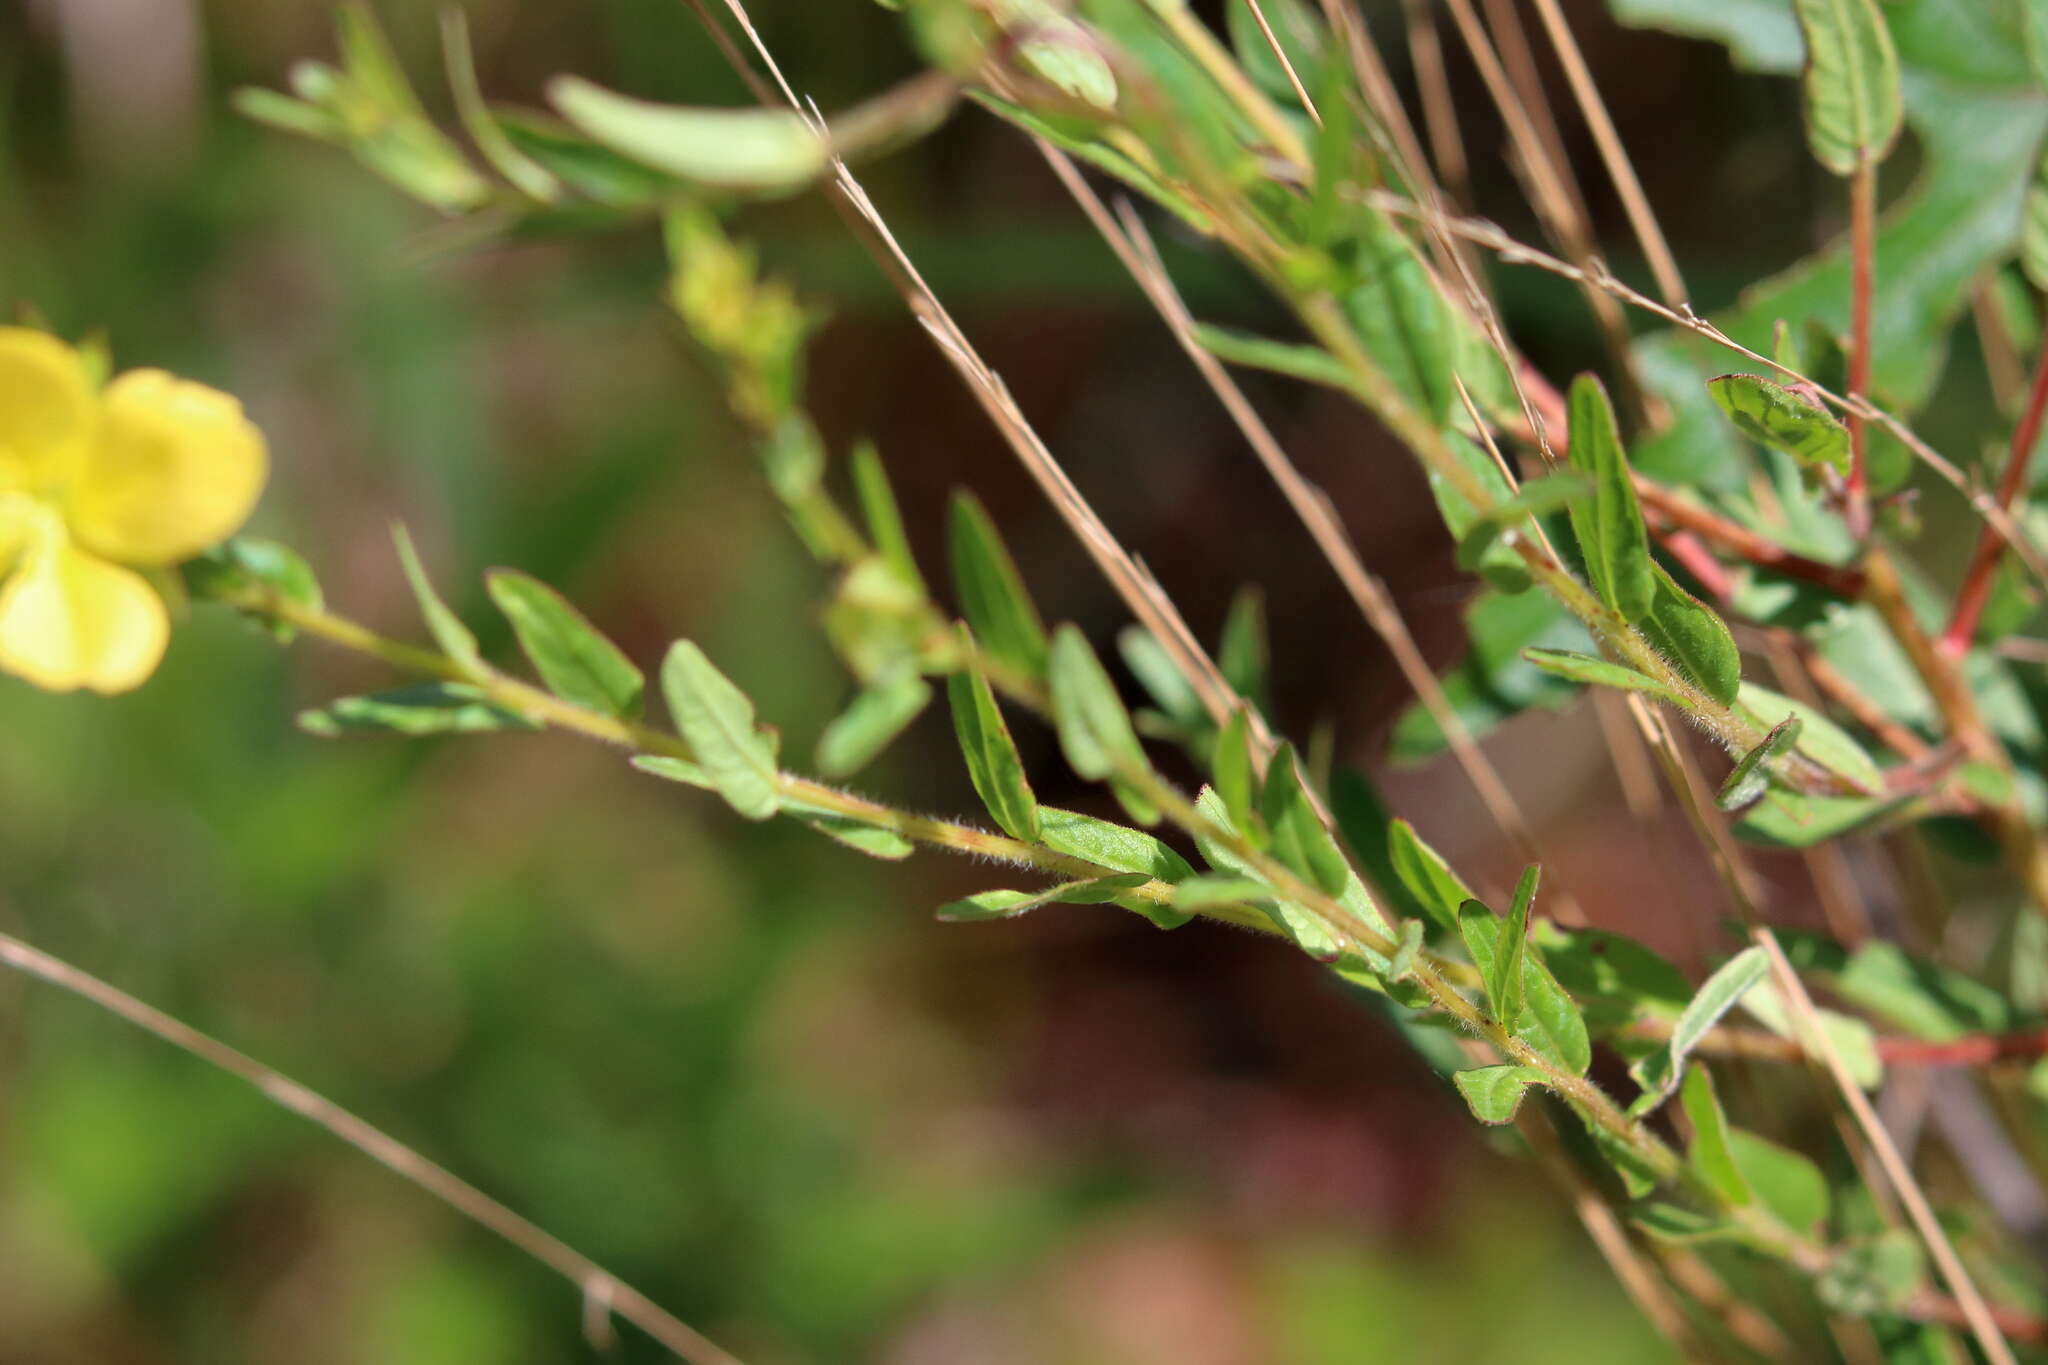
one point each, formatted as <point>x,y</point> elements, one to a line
<point>1738,540</point>
<point>1976,589</point>
<point>1862,288</point>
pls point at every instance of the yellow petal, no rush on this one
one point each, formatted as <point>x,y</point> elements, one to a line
<point>69,619</point>
<point>45,405</point>
<point>173,469</point>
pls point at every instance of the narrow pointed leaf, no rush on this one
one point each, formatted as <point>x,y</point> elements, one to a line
<point>993,764</point>
<point>1299,838</point>
<point>1504,982</point>
<point>1851,83</point>
<point>444,625</point>
<point>1584,668</point>
<point>1495,1092</point>
<point>1110,845</point>
<point>1094,728</point>
<point>1230,769</point>
<point>718,721</point>
<point>1658,1074</point>
<point>735,149</point>
<point>1010,904</point>
<point>1243,656</point>
<point>524,174</point>
<point>1709,1153</point>
<point>992,595</point>
<point>423,709</point>
<point>1550,1020</point>
<point>876,715</point>
<point>1535,498</point>
<point>1751,776</point>
<point>1428,878</point>
<point>1609,526</point>
<point>1293,359</point>
<point>884,518</point>
<point>576,662</point>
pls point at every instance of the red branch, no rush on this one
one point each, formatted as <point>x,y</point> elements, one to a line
<point>1976,589</point>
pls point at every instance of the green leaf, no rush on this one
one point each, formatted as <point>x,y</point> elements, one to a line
<point>884,518</point>
<point>2034,227</point>
<point>1549,1020</point>
<point>1110,845</point>
<point>1619,980</point>
<point>992,595</point>
<point>716,718</point>
<point>1692,635</point>
<point>1922,998</point>
<point>1873,1275</point>
<point>1609,527</point>
<point>1679,1225</point>
<point>1773,415</point>
<point>1367,828</point>
<point>1418,340</point>
<point>1094,728</point>
<point>1495,1092</point>
<point>674,770</point>
<point>1851,84</point>
<point>1062,52</point>
<point>1852,1039</point>
<point>886,844</point>
<point>1010,904</point>
<point>1504,982</point>
<point>1304,927</point>
<point>760,150</point>
<point>1659,1072</point>
<point>1438,891</point>
<point>1293,359</point>
<point>1230,769</point>
<point>1299,839</point>
<point>871,721</point>
<point>1789,820</point>
<point>1493,559</point>
<point>1584,668</point>
<point>578,664</point>
<point>1710,1154</point>
<point>1242,656</point>
<point>422,709</point>
<point>1162,680</point>
<point>1751,778</point>
<point>444,625</point>
<point>993,764</point>
<point>246,564</point>
<point>597,173</point>
<point>1301,36</point>
<point>1820,739</point>
<point>521,171</point>
<point>1785,1182</point>
<point>1538,497</point>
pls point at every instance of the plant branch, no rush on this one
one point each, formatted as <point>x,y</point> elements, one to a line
<point>604,1293</point>
<point>1976,588</point>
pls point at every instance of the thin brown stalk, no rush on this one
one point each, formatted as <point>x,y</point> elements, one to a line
<point>2001,354</point>
<point>1642,219</point>
<point>1552,195</point>
<point>1977,580</point>
<point>1141,593</point>
<point>1280,55</point>
<point>1738,882</point>
<point>1133,247</point>
<point>1710,1292</point>
<point>604,1294</point>
<point>1518,59</point>
<point>1439,109</point>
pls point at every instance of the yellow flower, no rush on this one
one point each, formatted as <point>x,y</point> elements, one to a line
<point>95,484</point>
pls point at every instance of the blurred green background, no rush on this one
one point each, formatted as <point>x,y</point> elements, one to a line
<point>739,1066</point>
